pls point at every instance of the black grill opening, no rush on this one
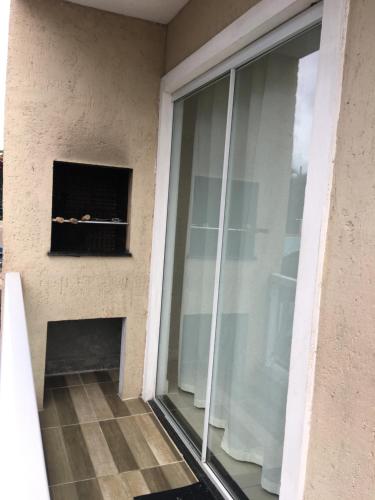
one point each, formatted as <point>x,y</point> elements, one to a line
<point>90,207</point>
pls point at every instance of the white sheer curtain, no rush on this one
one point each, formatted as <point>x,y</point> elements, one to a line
<point>200,258</point>
<point>258,273</point>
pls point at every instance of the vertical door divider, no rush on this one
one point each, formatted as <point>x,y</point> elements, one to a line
<point>220,238</point>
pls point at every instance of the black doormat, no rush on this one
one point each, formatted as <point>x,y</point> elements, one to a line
<point>196,491</point>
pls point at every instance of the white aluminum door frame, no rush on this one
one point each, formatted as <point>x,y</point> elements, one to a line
<point>219,253</point>
<point>222,53</point>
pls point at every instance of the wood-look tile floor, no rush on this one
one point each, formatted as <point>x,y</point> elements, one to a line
<point>98,447</point>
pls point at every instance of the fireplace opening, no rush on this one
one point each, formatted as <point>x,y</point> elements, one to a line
<point>90,210</point>
<point>84,345</point>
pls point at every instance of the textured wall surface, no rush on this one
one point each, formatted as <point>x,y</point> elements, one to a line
<point>199,21</point>
<point>342,444</point>
<point>83,85</point>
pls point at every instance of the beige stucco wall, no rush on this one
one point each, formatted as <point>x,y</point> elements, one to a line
<point>197,22</point>
<point>82,86</point>
<point>341,461</point>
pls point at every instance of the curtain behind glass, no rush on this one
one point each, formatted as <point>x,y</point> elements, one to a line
<point>265,193</point>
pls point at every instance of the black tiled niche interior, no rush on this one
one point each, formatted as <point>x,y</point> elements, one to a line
<point>99,194</point>
<point>82,345</point>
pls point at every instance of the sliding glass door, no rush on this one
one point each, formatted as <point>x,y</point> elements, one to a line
<point>238,175</point>
<point>191,251</point>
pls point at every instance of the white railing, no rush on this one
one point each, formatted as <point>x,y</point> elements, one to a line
<point>22,466</point>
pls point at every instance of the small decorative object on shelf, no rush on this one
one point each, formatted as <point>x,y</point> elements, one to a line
<point>86,217</point>
<point>73,220</point>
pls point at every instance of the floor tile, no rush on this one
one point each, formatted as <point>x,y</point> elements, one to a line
<point>108,387</point>
<point>107,392</point>
<point>73,379</point>
<point>48,416</point>
<point>99,403</point>
<point>118,446</point>
<point>103,376</point>
<point>117,406</point>
<point>100,454</point>
<point>89,490</point>
<point>98,447</point>
<point>55,381</point>
<point>58,467</point>
<point>168,477</point>
<point>64,405</point>
<point>113,488</point>
<point>68,380</point>
<point>97,376</point>
<point>137,442</point>
<point>82,405</point>
<point>135,483</point>
<point>64,492</point>
<point>178,475</point>
<point>77,452</point>
<point>81,490</point>
<point>160,445</point>
<point>137,406</point>
<point>155,479</point>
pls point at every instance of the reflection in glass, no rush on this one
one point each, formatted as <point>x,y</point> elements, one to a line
<point>191,246</point>
<point>264,206</point>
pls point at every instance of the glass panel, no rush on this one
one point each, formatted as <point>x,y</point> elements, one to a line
<point>190,258</point>
<point>271,131</point>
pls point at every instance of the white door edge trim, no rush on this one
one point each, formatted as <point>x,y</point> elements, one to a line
<point>220,238</point>
<point>312,251</point>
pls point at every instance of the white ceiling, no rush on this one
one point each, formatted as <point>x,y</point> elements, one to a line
<point>160,11</point>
